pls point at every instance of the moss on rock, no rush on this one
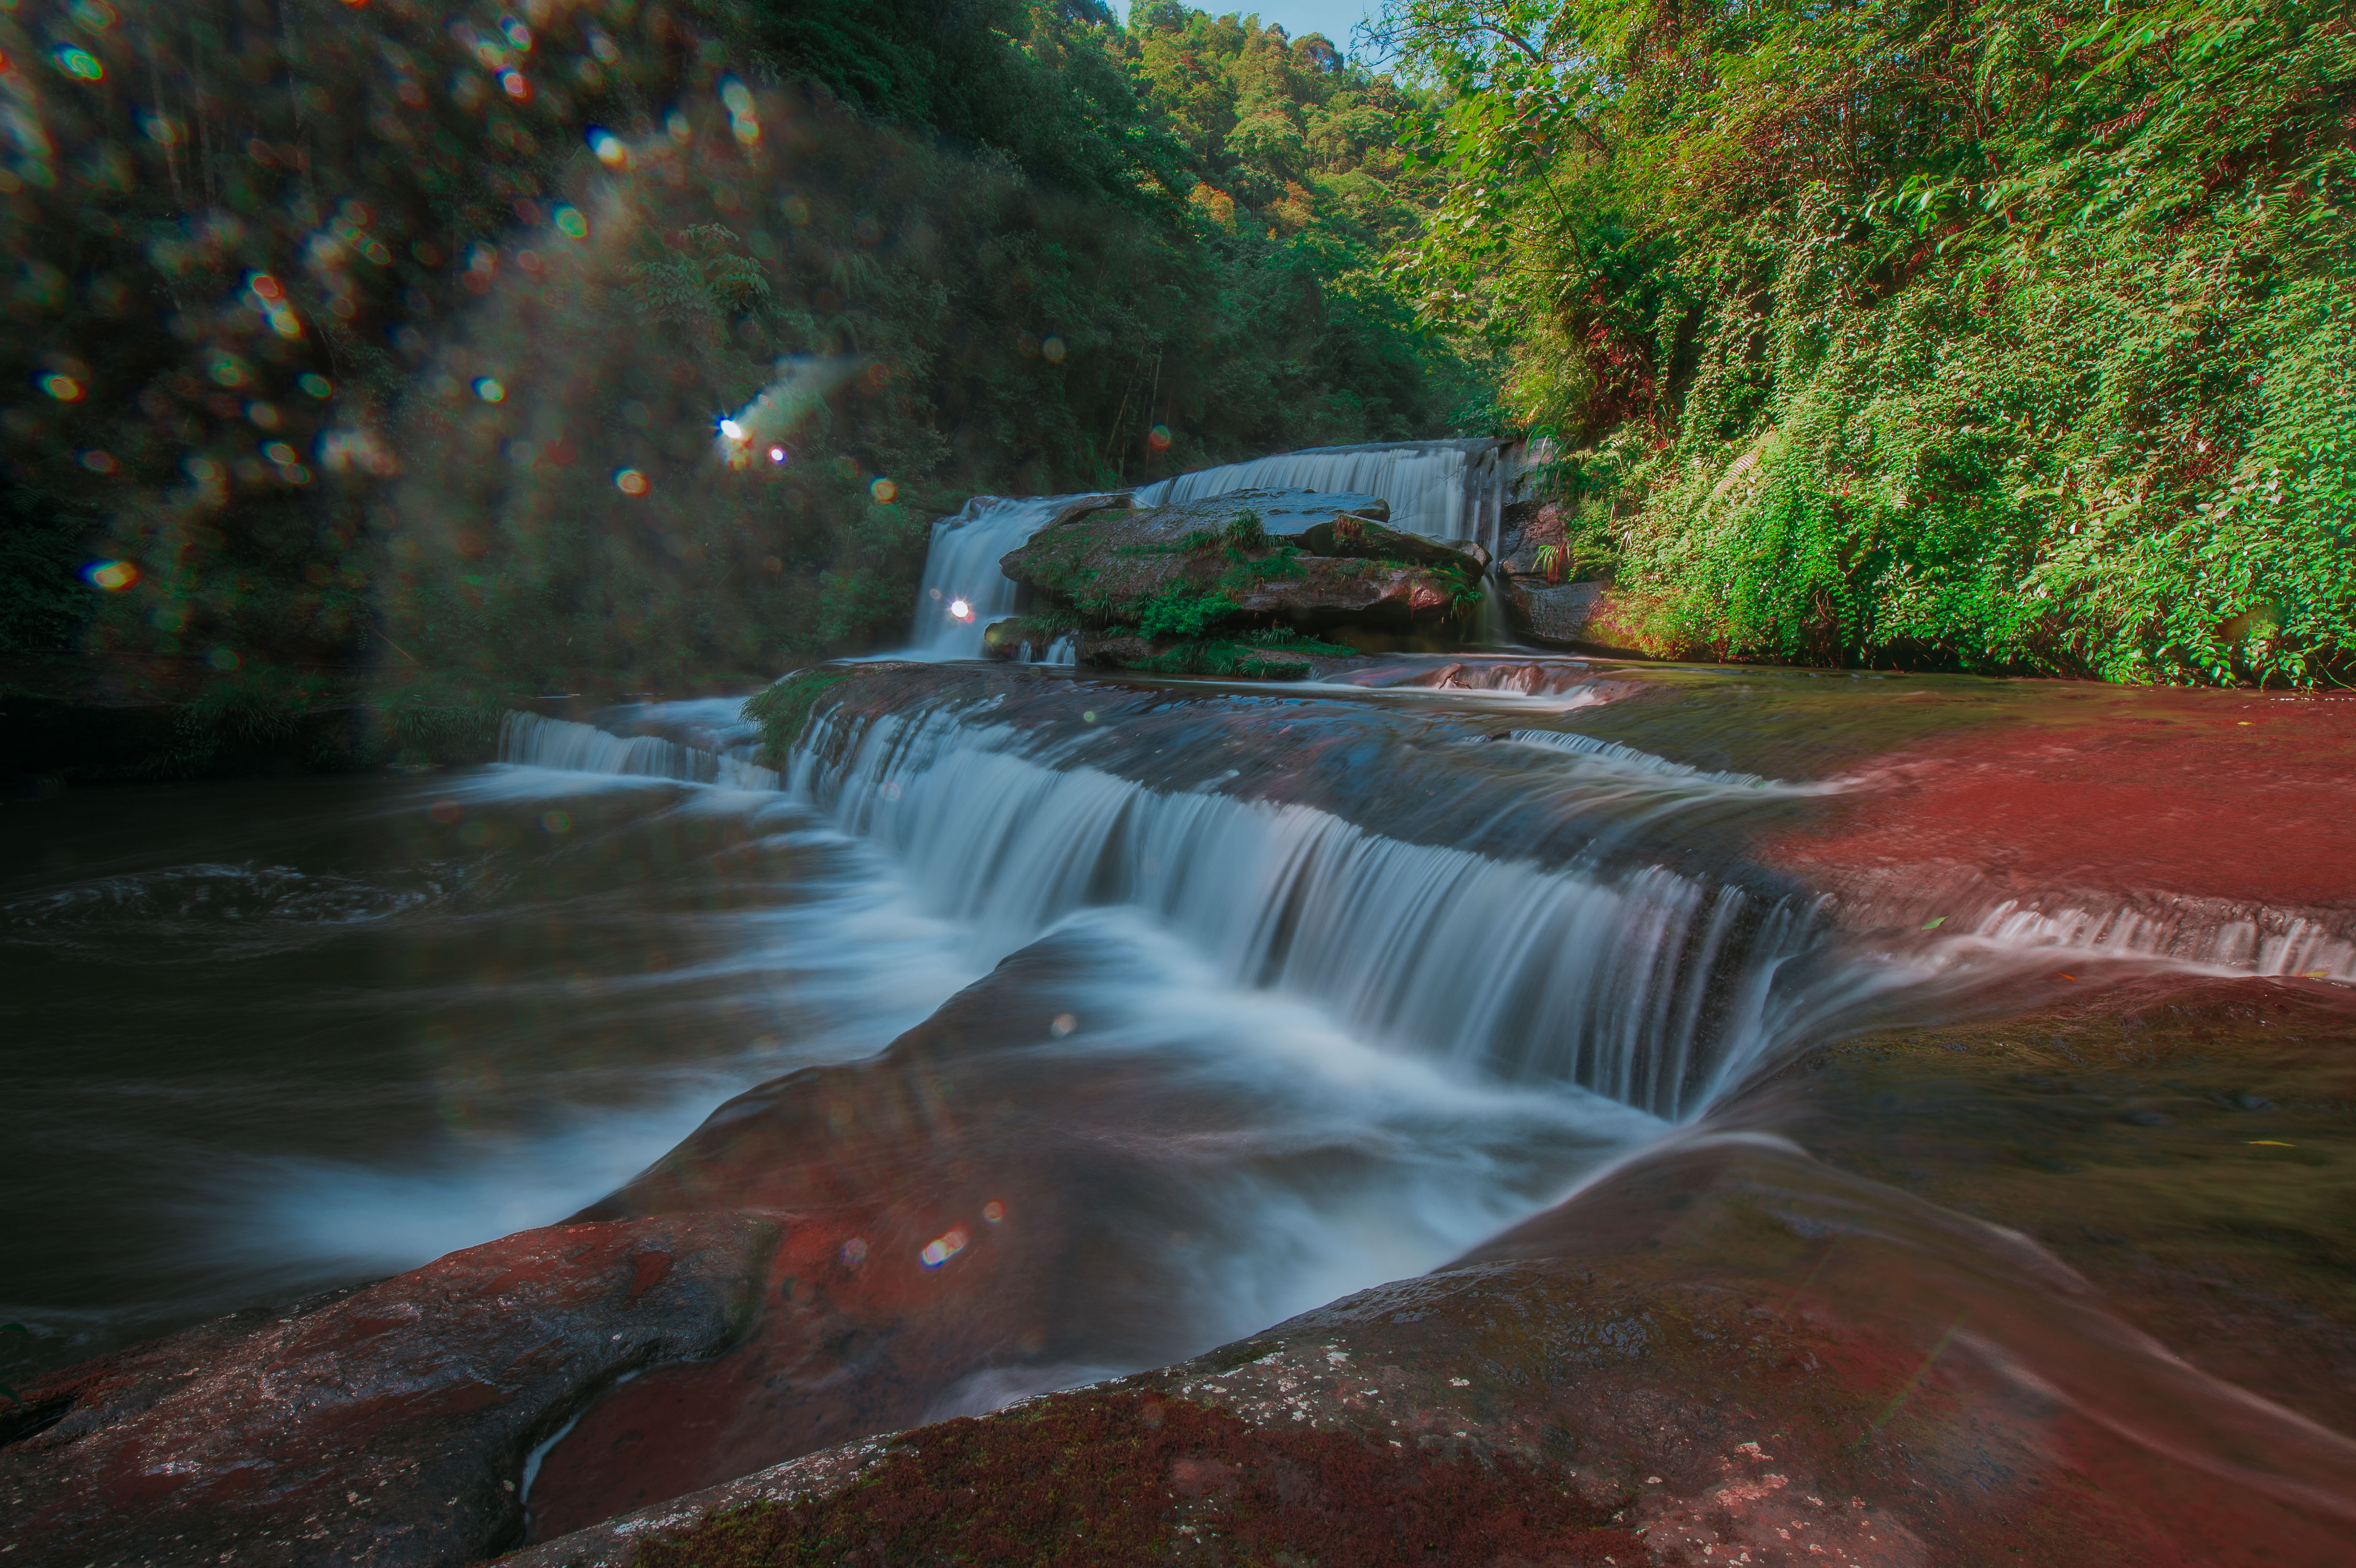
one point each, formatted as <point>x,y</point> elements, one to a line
<point>783,711</point>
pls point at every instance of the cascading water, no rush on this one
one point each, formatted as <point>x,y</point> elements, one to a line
<point>1644,984</point>
<point>963,589</point>
<point>1444,489</point>
<point>563,744</point>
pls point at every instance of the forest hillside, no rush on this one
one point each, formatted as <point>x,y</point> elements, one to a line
<point>1994,335</point>
<point>394,338</point>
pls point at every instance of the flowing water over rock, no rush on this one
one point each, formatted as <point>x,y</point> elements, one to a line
<point>1064,1028</point>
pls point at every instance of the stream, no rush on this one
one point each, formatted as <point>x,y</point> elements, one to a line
<point>1340,979</point>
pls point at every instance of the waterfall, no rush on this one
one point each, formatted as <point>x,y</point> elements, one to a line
<point>1648,985</point>
<point>962,567</point>
<point>1446,489</point>
<point>531,740</point>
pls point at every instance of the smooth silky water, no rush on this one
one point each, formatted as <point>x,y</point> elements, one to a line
<point>271,1037</point>
<point>1357,973</point>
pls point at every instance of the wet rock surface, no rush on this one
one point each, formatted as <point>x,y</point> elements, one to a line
<point>1297,558</point>
<point>2064,1287</point>
<point>384,1425</point>
<point>1737,1352</point>
<point>2189,1148</point>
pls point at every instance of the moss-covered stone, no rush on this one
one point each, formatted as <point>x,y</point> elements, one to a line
<point>1178,588</point>
<point>783,711</point>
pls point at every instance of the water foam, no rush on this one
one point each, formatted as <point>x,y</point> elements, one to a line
<point>1648,986</point>
<point>1444,489</point>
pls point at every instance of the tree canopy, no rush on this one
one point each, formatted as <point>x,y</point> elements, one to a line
<point>2006,334</point>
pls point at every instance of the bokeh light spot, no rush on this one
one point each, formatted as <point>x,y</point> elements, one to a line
<point>513,84</point>
<point>223,658</point>
<point>1052,349</point>
<point>854,1251</point>
<point>1064,1024</point>
<point>731,430</point>
<point>65,389</point>
<point>608,147</point>
<point>1158,438</point>
<point>98,462</point>
<point>993,1211</point>
<point>555,822</point>
<point>570,222</point>
<point>80,64</point>
<point>942,1248</point>
<point>488,388</point>
<point>278,452</point>
<point>960,610</point>
<point>318,385</point>
<point>445,811</point>
<point>114,576</point>
<point>630,482</point>
<point>777,454</point>
<point>885,491</point>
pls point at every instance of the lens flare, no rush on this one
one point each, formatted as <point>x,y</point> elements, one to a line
<point>942,1248</point>
<point>960,609</point>
<point>1158,438</point>
<point>731,430</point>
<point>488,388</point>
<point>114,576</point>
<point>777,454</point>
<point>630,482</point>
<point>885,491</point>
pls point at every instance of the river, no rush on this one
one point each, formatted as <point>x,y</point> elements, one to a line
<point>1264,993</point>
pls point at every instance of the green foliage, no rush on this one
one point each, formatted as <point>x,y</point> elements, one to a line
<point>1184,612</point>
<point>2007,336</point>
<point>354,355</point>
<point>783,711</point>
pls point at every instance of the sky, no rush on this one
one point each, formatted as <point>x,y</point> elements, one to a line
<point>1335,18</point>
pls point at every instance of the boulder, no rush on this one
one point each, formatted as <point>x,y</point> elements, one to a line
<point>1295,560</point>
<point>1721,1351</point>
<point>386,1425</point>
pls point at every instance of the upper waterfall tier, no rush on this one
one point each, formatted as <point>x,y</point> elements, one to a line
<point>1443,489</point>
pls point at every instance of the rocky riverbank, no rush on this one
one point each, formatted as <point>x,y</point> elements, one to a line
<point>2033,1264</point>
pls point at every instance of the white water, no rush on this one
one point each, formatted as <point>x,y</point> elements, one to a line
<point>961,569</point>
<point>570,747</point>
<point>1650,987</point>
<point>1445,489</point>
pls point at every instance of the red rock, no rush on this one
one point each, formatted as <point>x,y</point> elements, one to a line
<point>1747,1357</point>
<point>386,1425</point>
<point>2231,798</point>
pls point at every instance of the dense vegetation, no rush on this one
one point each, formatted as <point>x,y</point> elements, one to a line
<point>1992,333</point>
<point>355,342</point>
<point>393,338</point>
